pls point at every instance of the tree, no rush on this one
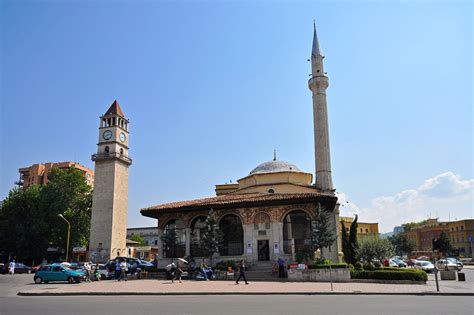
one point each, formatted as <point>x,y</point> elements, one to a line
<point>212,237</point>
<point>443,244</point>
<point>137,238</point>
<point>170,241</point>
<point>401,244</point>
<point>349,242</point>
<point>29,218</point>
<point>322,232</point>
<point>375,249</point>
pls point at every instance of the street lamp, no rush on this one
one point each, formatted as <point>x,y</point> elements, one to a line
<point>68,234</point>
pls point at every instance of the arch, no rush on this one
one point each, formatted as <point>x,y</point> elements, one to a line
<point>198,227</point>
<point>231,226</point>
<point>106,150</point>
<point>292,209</point>
<point>174,238</point>
<point>297,228</point>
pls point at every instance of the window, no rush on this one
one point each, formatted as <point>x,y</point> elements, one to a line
<point>156,242</point>
<point>106,150</point>
<point>462,227</point>
<point>271,191</point>
<point>198,228</point>
<point>121,151</point>
<point>297,227</point>
<point>366,230</point>
<point>233,244</point>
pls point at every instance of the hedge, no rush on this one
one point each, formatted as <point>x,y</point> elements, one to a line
<point>413,275</point>
<point>333,266</point>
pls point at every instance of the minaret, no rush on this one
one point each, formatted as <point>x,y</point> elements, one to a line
<point>318,84</point>
<point>110,196</point>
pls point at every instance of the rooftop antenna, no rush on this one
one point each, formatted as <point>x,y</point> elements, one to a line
<point>274,154</point>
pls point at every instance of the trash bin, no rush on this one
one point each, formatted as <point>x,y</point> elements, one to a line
<point>461,276</point>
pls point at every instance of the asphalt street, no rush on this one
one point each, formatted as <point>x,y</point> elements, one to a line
<point>10,303</point>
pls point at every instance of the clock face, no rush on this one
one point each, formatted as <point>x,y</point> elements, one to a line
<point>122,137</point>
<point>107,135</point>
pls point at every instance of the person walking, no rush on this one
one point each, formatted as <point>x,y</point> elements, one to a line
<point>177,274</point>
<point>241,272</point>
<point>123,270</point>
<point>11,267</point>
<point>281,268</point>
<point>117,269</point>
<point>88,269</point>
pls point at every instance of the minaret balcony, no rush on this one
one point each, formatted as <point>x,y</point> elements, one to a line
<point>318,82</point>
<point>111,155</point>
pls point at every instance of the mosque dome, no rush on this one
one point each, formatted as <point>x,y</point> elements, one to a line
<point>275,166</point>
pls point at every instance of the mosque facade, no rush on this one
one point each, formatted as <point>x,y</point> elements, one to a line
<point>268,213</point>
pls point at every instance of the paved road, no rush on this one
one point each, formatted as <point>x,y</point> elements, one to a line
<point>10,303</point>
<point>237,305</point>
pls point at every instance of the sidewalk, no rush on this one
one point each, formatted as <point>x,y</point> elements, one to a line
<point>189,287</point>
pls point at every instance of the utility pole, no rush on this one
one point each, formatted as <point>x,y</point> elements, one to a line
<point>433,241</point>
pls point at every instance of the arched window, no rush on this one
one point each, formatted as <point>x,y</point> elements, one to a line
<point>174,239</point>
<point>198,227</point>
<point>106,150</point>
<point>297,227</point>
<point>233,244</point>
<point>121,151</point>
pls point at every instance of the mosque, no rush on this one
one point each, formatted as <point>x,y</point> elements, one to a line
<point>268,213</point>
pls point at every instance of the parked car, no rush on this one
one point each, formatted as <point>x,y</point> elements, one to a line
<point>424,265</point>
<point>58,272</point>
<point>399,262</point>
<point>458,262</point>
<point>19,268</point>
<point>104,272</point>
<point>446,264</point>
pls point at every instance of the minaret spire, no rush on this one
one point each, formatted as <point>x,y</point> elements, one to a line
<point>316,51</point>
<point>318,84</point>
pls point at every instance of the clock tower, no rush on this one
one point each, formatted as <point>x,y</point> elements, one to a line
<point>110,197</point>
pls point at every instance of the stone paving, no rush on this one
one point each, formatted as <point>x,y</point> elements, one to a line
<point>229,287</point>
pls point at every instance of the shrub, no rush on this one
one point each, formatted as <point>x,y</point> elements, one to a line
<point>368,266</point>
<point>322,261</point>
<point>413,275</point>
<point>377,264</point>
<point>358,266</point>
<point>333,266</point>
<point>350,266</point>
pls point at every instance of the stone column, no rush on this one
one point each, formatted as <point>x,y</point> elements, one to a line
<point>160,244</point>
<point>188,241</point>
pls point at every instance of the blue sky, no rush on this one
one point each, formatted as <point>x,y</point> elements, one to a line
<point>211,88</point>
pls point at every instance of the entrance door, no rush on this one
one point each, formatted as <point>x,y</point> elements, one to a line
<point>263,250</point>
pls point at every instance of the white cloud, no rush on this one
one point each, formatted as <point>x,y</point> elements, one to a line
<point>446,196</point>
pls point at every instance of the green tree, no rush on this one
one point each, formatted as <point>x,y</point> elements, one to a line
<point>443,244</point>
<point>170,241</point>
<point>401,244</point>
<point>212,237</point>
<point>349,242</point>
<point>29,218</point>
<point>67,193</point>
<point>137,238</point>
<point>23,226</point>
<point>374,249</point>
<point>322,232</point>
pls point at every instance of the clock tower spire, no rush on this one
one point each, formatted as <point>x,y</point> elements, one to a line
<point>110,196</point>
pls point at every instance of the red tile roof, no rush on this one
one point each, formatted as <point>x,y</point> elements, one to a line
<point>115,109</point>
<point>237,200</point>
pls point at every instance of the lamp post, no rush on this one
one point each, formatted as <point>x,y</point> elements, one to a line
<point>68,234</point>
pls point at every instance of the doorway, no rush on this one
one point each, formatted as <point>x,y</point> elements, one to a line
<point>263,250</point>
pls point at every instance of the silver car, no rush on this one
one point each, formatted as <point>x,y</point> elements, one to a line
<point>424,265</point>
<point>448,264</point>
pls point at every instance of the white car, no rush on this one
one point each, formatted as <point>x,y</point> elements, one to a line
<point>424,265</point>
<point>448,264</point>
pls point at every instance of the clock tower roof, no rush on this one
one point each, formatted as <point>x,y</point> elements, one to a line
<point>115,109</point>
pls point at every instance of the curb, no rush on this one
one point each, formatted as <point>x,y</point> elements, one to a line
<point>238,293</point>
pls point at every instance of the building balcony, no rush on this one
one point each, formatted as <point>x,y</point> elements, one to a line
<point>111,155</point>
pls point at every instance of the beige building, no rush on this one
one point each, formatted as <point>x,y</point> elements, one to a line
<point>110,196</point>
<point>37,174</point>
<point>364,230</point>
<point>461,234</point>
<point>268,213</point>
